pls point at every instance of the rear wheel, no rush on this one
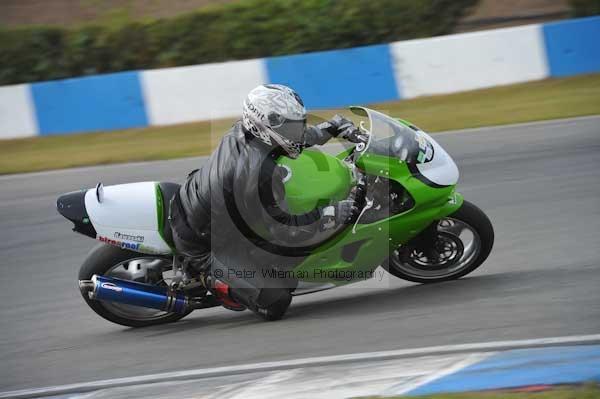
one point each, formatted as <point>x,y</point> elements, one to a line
<point>105,260</point>
<point>461,242</point>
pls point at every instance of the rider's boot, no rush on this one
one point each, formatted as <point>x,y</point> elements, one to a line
<point>278,304</point>
<point>268,298</point>
<point>269,303</point>
<point>223,293</point>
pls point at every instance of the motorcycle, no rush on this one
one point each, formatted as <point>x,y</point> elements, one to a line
<point>411,221</point>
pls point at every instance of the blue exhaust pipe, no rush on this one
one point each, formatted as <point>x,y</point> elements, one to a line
<point>128,292</point>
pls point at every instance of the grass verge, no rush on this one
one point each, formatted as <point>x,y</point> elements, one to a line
<point>548,99</point>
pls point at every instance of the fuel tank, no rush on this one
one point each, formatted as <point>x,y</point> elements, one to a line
<point>315,179</point>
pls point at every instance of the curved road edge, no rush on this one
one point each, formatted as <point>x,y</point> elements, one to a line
<point>475,352</point>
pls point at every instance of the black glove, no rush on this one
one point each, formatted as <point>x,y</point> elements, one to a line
<point>351,133</point>
<point>345,129</point>
<point>340,213</point>
<point>334,125</point>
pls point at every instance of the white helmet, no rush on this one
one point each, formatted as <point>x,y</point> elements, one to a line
<point>276,115</point>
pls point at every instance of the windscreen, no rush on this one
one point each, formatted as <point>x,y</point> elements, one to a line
<point>392,138</point>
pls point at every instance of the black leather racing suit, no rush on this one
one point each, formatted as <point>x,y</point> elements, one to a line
<point>231,214</point>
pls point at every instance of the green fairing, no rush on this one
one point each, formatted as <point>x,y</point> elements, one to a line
<point>160,215</point>
<point>318,177</point>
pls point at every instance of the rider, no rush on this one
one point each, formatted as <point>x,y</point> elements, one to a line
<point>228,214</point>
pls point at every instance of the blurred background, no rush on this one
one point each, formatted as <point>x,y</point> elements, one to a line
<point>90,87</point>
<point>44,40</point>
<point>69,67</point>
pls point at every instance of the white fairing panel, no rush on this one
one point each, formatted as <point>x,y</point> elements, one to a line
<point>127,217</point>
<point>441,169</point>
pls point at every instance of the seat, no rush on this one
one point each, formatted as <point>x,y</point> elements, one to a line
<point>168,191</point>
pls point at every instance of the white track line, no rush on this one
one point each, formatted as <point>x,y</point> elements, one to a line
<point>149,163</point>
<point>298,363</point>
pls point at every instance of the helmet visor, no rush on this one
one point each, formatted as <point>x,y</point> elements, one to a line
<point>292,130</point>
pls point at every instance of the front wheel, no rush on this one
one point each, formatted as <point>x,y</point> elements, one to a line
<point>105,260</point>
<point>461,243</point>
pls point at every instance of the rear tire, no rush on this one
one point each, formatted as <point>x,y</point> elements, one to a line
<point>483,233</point>
<point>100,261</point>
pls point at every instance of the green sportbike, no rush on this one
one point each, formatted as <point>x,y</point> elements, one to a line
<point>411,221</point>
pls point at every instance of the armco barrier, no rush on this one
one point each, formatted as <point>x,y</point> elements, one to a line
<point>324,79</point>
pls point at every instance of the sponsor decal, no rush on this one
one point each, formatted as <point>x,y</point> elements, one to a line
<point>255,110</point>
<point>121,244</point>
<point>425,148</point>
<point>453,200</point>
<point>132,246</point>
<point>421,140</point>
<point>129,237</point>
<point>111,286</point>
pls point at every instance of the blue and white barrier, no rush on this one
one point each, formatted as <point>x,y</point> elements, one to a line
<point>326,79</point>
<point>113,101</point>
<point>200,92</point>
<point>17,112</point>
<point>337,78</point>
<point>573,47</point>
<point>469,61</point>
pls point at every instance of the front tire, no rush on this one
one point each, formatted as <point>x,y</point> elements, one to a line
<point>106,260</point>
<point>464,241</point>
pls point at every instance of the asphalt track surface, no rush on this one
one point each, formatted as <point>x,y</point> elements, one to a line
<point>539,183</point>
